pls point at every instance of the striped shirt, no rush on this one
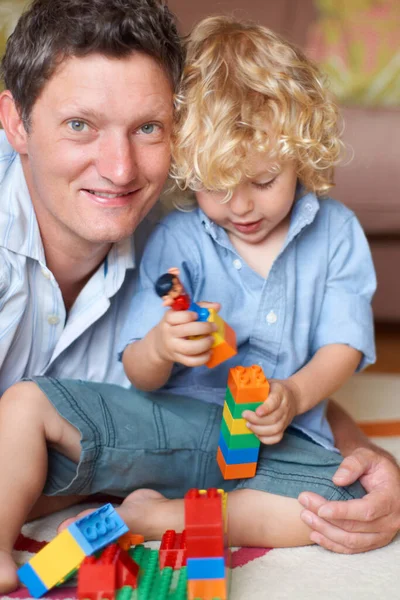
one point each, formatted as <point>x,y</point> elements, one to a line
<point>37,337</point>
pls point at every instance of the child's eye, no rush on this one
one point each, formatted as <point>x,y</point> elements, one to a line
<point>264,186</point>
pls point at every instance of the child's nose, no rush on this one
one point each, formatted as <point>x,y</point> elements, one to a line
<point>241,203</point>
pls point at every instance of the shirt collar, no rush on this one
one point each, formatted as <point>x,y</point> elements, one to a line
<point>304,211</point>
<point>19,230</point>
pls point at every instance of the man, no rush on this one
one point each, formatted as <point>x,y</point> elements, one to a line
<point>87,114</point>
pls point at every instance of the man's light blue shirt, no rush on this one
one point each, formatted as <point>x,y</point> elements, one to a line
<point>318,292</point>
<point>37,336</point>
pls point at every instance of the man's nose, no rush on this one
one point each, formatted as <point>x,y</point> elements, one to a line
<point>117,159</point>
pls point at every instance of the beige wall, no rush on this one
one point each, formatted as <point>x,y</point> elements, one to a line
<point>289,17</point>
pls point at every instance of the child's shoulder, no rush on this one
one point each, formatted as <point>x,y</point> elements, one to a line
<point>178,219</point>
<point>333,213</point>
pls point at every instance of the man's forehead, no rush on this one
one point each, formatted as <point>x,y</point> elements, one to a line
<point>88,85</point>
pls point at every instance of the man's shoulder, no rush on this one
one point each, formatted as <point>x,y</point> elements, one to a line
<point>7,155</point>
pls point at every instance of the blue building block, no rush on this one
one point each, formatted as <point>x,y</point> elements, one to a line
<point>206,568</point>
<point>32,581</point>
<point>237,457</point>
<point>97,530</point>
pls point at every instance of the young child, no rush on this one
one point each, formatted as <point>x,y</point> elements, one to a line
<point>256,139</point>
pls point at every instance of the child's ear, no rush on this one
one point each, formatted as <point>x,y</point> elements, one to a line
<point>12,123</point>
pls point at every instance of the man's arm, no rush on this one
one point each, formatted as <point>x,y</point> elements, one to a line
<point>356,525</point>
<point>347,435</point>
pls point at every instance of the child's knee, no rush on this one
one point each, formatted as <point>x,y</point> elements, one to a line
<point>23,394</point>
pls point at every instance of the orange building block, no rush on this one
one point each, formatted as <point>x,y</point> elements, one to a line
<point>239,471</point>
<point>129,539</point>
<point>248,384</point>
<point>224,346</point>
<point>207,589</point>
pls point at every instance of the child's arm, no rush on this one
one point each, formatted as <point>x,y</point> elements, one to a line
<point>148,362</point>
<point>326,372</point>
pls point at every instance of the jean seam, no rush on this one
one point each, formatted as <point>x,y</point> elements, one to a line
<point>96,433</point>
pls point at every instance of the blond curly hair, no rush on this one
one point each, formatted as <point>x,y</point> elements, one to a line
<point>246,90</point>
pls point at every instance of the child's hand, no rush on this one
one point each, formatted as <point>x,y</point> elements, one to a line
<point>270,419</point>
<point>173,335</point>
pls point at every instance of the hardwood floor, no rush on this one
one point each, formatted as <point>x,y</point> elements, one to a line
<point>387,348</point>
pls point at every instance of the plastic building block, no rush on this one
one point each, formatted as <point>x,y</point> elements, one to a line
<point>207,589</point>
<point>69,548</point>
<point>237,457</point>
<point>173,294</point>
<point>203,515</point>
<point>224,346</point>
<point>236,410</point>
<point>238,449</point>
<point>98,529</point>
<point>206,568</point>
<point>172,551</point>
<point>248,384</point>
<point>207,557</point>
<point>237,441</point>
<point>236,426</point>
<point>238,471</point>
<point>100,578</point>
<point>96,581</point>
<point>129,539</point>
<point>155,584</point>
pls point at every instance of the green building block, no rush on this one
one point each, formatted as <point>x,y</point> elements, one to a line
<point>237,409</point>
<point>238,441</point>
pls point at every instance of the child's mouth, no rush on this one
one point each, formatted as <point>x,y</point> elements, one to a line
<point>248,227</point>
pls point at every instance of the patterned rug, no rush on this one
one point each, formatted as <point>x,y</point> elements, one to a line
<point>303,573</point>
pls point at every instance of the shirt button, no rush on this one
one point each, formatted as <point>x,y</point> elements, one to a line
<point>53,320</point>
<point>237,264</point>
<point>271,318</point>
<point>308,206</point>
<point>46,274</point>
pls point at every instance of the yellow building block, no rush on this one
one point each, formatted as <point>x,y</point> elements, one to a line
<point>57,559</point>
<point>235,426</point>
<point>224,345</point>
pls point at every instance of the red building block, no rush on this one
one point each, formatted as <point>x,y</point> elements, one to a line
<point>172,551</point>
<point>204,523</point>
<point>100,578</point>
<point>95,580</point>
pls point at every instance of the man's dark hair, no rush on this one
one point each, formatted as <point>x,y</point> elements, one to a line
<point>51,30</point>
<point>164,284</point>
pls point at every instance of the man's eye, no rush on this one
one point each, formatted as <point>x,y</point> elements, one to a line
<point>77,125</point>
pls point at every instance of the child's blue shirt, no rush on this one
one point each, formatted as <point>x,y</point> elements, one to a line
<point>318,292</point>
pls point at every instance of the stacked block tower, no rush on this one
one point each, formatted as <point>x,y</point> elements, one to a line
<point>207,548</point>
<point>238,449</point>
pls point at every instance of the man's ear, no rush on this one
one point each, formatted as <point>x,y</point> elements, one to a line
<point>12,123</point>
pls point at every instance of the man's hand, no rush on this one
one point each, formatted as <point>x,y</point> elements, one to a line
<point>270,420</point>
<point>174,333</point>
<point>367,523</point>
